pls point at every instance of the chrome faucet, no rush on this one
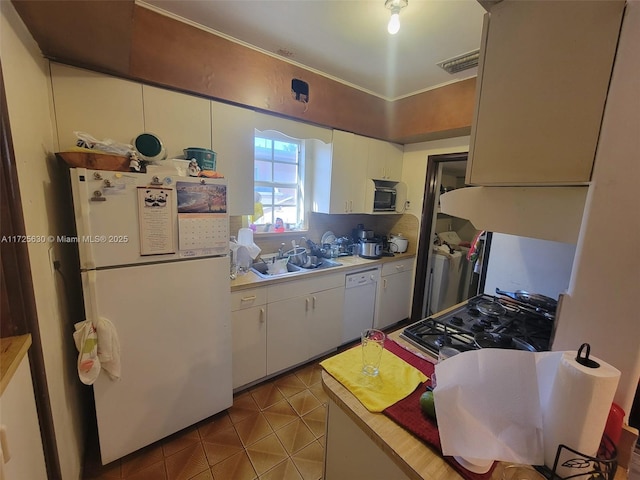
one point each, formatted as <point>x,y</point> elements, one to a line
<point>281,251</point>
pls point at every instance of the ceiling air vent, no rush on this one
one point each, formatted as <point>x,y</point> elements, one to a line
<point>461,62</point>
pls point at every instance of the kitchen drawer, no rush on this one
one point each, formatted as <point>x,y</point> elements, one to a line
<point>248,298</point>
<point>397,267</point>
<point>297,287</point>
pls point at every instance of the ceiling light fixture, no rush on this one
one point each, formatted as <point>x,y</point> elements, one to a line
<point>395,6</point>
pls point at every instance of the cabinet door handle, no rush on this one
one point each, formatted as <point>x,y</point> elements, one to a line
<point>384,283</point>
<point>350,206</point>
<point>399,267</point>
<point>346,207</point>
<point>248,299</point>
<point>262,315</point>
<point>313,302</point>
<point>306,304</point>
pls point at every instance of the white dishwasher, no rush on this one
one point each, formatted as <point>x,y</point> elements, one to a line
<point>359,302</point>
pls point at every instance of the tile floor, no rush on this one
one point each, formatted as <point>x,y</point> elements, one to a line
<point>273,431</point>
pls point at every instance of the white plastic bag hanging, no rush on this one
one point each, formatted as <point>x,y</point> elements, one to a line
<point>107,145</point>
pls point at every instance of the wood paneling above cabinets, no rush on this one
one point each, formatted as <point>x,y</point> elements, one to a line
<point>134,42</point>
<point>87,34</point>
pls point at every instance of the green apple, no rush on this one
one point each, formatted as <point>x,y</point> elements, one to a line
<point>427,405</point>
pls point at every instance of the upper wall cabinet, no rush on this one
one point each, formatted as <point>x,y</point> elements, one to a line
<point>179,120</point>
<point>384,160</point>
<point>543,79</point>
<point>100,105</point>
<point>233,140</point>
<point>339,182</point>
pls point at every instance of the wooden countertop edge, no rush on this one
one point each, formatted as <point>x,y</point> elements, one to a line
<point>251,280</point>
<point>12,351</point>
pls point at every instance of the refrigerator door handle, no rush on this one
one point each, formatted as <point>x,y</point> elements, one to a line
<point>84,232</point>
<point>90,301</point>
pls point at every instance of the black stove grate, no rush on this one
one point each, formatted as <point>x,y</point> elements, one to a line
<point>504,319</point>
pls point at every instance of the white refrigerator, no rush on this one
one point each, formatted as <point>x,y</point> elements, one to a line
<point>154,261</point>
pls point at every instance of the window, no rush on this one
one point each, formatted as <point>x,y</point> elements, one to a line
<point>278,174</point>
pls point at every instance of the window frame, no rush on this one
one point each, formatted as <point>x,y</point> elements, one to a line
<point>275,136</point>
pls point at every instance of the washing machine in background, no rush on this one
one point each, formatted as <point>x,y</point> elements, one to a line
<point>451,274</point>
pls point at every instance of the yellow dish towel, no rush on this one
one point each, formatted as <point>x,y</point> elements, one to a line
<point>396,379</point>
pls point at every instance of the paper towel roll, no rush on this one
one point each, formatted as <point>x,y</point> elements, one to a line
<point>577,410</point>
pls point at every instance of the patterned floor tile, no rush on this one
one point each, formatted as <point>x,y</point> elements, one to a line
<point>274,431</point>
<point>266,395</point>
<point>283,471</point>
<point>139,460</point>
<point>304,402</point>
<point>157,471</point>
<point>266,453</point>
<point>243,406</point>
<point>289,385</point>
<point>179,441</point>
<point>253,429</point>
<point>210,427</point>
<point>309,461</point>
<point>295,436</point>
<point>316,420</point>
<point>279,414</point>
<point>236,467</point>
<point>319,392</point>
<point>310,374</point>
<point>221,444</point>
<point>186,463</point>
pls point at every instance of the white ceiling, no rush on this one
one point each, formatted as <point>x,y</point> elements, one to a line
<point>347,39</point>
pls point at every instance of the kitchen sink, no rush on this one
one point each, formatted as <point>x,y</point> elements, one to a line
<point>322,264</point>
<point>262,269</point>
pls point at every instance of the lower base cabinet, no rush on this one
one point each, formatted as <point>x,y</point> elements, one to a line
<point>249,327</point>
<point>20,419</point>
<point>350,453</point>
<point>303,321</point>
<point>394,293</point>
<point>276,327</point>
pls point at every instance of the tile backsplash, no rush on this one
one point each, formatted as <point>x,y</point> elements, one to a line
<point>340,225</point>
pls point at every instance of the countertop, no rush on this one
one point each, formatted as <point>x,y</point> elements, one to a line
<point>409,453</point>
<point>351,262</point>
<point>12,351</point>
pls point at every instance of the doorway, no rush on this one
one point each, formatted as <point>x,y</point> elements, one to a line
<point>444,276</point>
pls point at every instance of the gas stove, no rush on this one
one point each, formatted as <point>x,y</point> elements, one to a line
<point>484,322</point>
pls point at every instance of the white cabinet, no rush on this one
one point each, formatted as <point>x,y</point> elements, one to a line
<point>384,160</point>
<point>287,333</point>
<point>325,321</point>
<point>100,105</point>
<point>233,139</point>
<point>304,319</point>
<point>393,302</point>
<point>179,120</point>
<point>249,332</point>
<point>339,183</point>
<point>20,418</point>
<point>542,84</point>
